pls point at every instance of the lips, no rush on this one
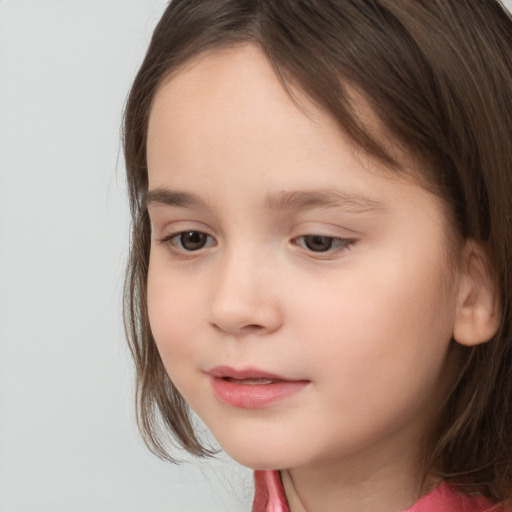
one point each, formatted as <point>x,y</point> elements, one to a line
<point>252,381</point>
<point>251,388</point>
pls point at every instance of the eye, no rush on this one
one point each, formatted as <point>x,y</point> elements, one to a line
<point>322,243</point>
<point>189,241</point>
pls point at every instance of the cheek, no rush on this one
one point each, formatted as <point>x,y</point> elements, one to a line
<point>391,319</point>
<point>172,311</point>
<point>376,345</point>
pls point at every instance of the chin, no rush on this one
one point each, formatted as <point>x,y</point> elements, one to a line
<point>259,461</point>
<point>264,456</point>
<point>260,441</point>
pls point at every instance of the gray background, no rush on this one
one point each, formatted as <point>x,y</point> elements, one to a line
<point>68,441</point>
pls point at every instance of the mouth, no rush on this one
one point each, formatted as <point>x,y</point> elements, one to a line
<point>252,388</point>
<point>251,381</point>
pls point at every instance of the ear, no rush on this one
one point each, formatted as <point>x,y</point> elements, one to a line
<point>478,315</point>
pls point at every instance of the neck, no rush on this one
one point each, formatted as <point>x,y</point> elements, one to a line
<point>388,483</point>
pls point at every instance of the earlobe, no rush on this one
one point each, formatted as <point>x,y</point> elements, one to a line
<point>478,312</point>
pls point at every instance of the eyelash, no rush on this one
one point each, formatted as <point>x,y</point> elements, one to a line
<point>170,242</point>
<point>335,244</point>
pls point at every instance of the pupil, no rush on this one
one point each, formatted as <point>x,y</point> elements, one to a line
<point>193,240</point>
<point>318,243</point>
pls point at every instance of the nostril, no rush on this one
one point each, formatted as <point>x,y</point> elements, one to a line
<point>244,329</point>
<point>253,327</point>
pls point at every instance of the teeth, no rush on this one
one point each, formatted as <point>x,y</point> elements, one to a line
<point>251,382</point>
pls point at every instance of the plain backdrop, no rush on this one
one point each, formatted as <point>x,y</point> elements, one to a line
<point>68,440</point>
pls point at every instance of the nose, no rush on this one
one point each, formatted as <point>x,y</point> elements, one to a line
<point>244,296</point>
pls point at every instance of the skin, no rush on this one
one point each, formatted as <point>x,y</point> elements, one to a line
<point>368,324</point>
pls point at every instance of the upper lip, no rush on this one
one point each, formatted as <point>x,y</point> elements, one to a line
<point>222,372</point>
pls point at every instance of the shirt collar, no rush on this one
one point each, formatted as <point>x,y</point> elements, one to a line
<point>269,496</point>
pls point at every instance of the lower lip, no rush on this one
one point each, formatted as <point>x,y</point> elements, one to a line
<point>254,396</point>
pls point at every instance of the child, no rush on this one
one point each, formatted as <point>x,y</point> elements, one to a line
<point>321,247</point>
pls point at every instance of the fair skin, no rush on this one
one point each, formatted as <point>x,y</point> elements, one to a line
<point>304,261</point>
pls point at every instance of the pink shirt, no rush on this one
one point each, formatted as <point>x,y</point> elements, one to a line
<point>269,496</point>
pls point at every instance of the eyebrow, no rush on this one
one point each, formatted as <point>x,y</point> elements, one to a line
<point>309,199</point>
<point>167,197</point>
<point>285,200</point>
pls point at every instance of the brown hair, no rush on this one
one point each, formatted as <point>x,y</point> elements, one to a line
<point>438,75</point>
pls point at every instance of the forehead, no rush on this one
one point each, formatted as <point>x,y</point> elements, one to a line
<point>226,110</point>
<point>223,94</point>
<point>230,102</point>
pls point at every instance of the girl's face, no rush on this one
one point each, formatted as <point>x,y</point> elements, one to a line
<point>300,295</point>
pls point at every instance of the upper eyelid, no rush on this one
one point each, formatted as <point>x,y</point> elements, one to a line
<point>303,227</point>
<point>174,234</point>
<point>325,228</point>
<point>178,226</point>
<point>333,237</point>
<point>346,241</point>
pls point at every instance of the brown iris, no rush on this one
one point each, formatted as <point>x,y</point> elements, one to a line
<point>193,240</point>
<point>318,243</point>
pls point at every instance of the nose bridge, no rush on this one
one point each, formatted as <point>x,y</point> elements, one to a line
<point>243,297</point>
